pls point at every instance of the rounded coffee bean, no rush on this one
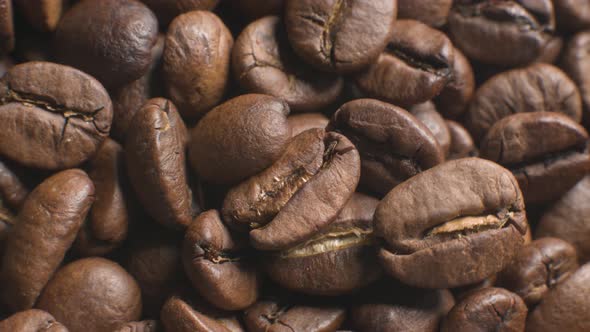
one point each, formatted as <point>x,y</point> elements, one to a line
<point>179,316</point>
<point>505,33</point>
<point>156,163</point>
<point>111,40</point>
<point>263,62</point>
<point>461,142</point>
<point>431,12</point>
<point>547,152</point>
<point>92,294</point>
<point>43,14</point>
<point>537,88</point>
<point>239,138</point>
<point>565,307</point>
<point>319,169</point>
<point>572,14</point>
<point>340,259</point>
<point>197,62</point>
<point>454,98</point>
<point>45,229</point>
<point>167,10</point>
<point>217,264</point>
<point>12,190</point>
<point>539,267</point>
<point>54,116</point>
<point>7,220</point>
<point>428,115</point>
<point>141,326</point>
<point>6,27</point>
<point>472,226</point>
<point>339,36</point>
<point>416,65</point>
<point>304,121</point>
<point>32,320</point>
<point>393,144</point>
<point>488,309</point>
<point>576,63</point>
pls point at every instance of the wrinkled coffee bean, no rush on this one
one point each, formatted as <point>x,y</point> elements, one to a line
<point>263,62</point>
<point>576,63</point>
<point>416,65</point>
<point>460,236</point>
<point>455,97</point>
<point>431,12</point>
<point>489,309</point>
<point>167,10</point>
<point>462,144</point>
<point>546,151</point>
<point>428,115</point>
<point>55,116</point>
<point>393,144</point>
<point>304,121</point>
<point>572,14</point>
<point>318,168</point>
<point>43,14</point>
<point>6,27</point>
<point>45,228</point>
<point>142,326</point>
<point>32,320</point>
<point>179,316</point>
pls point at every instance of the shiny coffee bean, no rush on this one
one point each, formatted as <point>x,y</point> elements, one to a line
<point>318,168</point>
<point>431,12</point>
<point>43,14</point>
<point>196,62</point>
<point>489,309</point>
<point>55,116</point>
<point>576,63</point>
<point>393,144</point>
<point>427,114</point>
<point>12,190</point>
<point>455,97</point>
<point>304,121</point>
<point>461,142</point>
<point>539,267</point>
<point>239,138</point>
<point>32,320</point>
<point>141,326</point>
<point>263,62</point>
<point>179,316</point>
<point>6,27</point>
<point>339,36</point>
<point>461,236</point>
<point>416,65</point>
<point>505,33</point>
<point>167,10</point>
<point>546,151</point>
<point>537,88</point>
<point>111,40</point>
<point>572,15</point>
<point>45,229</point>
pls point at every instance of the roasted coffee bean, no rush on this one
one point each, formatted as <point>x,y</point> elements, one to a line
<point>505,33</point>
<point>337,35</point>
<point>319,169</point>
<point>537,88</point>
<point>304,121</point>
<point>45,229</point>
<point>576,63</point>
<point>393,144</point>
<point>156,163</point>
<point>567,219</point>
<point>6,27</point>
<point>196,62</point>
<point>416,65</point>
<point>572,14</point>
<point>461,142</point>
<point>111,40</point>
<point>274,316</point>
<point>454,98</point>
<point>92,294</point>
<point>565,307</point>
<point>32,320</point>
<point>338,260</point>
<point>167,10</point>
<point>254,9</point>
<point>43,14</point>
<point>429,116</point>
<point>239,138</point>
<point>54,116</point>
<point>263,62</point>
<point>546,151</point>
<point>179,316</point>
<point>489,309</point>
<point>12,190</point>
<point>142,326</point>
<point>433,13</point>
<point>6,63</point>
<point>461,236</point>
<point>218,265</point>
<point>539,267</point>
<point>7,220</point>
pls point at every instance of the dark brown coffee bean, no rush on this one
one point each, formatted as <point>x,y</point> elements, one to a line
<point>179,316</point>
<point>565,307</point>
<point>32,320</point>
<point>489,309</point>
<point>92,294</point>
<point>416,65</point>
<point>7,220</point>
<point>454,98</point>
<point>217,264</point>
<point>111,40</point>
<point>319,169</point>
<point>337,35</point>
<point>273,316</point>
<point>254,9</point>
<point>6,27</point>
<point>6,62</point>
<point>239,138</point>
<point>156,163</point>
<point>263,62</point>
<point>141,326</point>
<point>12,190</point>
<point>572,14</point>
<point>576,63</point>
<point>537,88</point>
<point>43,15</point>
<point>433,13</point>
<point>54,116</point>
<point>506,33</point>
<point>45,229</point>
<point>539,267</point>
<point>393,144</point>
<point>567,219</point>
<point>167,10</point>
<point>304,121</point>
<point>461,142</point>
<point>197,62</point>
<point>429,116</point>
<point>338,260</point>
<point>546,151</point>
<point>471,226</point>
